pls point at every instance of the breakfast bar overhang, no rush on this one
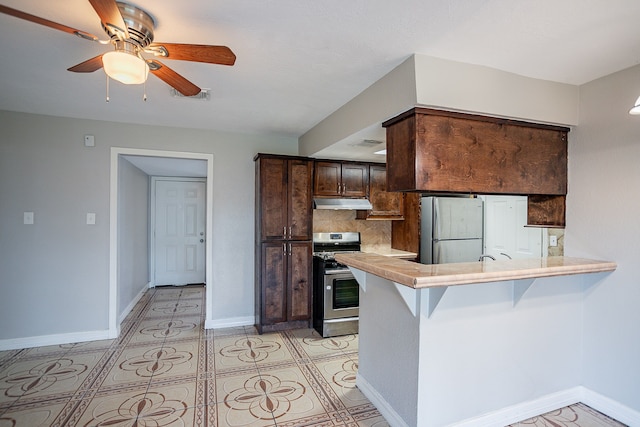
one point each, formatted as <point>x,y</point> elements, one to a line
<point>483,343</point>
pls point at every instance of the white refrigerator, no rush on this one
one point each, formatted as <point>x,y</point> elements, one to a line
<point>451,229</point>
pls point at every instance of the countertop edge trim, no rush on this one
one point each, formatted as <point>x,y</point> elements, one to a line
<point>455,279</point>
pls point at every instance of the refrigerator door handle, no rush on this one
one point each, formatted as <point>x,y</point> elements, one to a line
<point>435,225</point>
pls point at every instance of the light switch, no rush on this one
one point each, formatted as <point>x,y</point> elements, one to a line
<point>553,240</point>
<point>89,141</point>
<point>28,218</point>
<point>91,218</point>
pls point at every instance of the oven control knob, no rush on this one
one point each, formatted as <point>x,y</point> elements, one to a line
<point>328,288</point>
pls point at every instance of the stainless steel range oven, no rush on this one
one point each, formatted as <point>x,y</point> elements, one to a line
<point>335,291</point>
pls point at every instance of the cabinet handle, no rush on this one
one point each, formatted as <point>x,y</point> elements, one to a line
<point>338,188</point>
<point>289,232</point>
<point>289,249</point>
<point>344,188</point>
<point>284,232</point>
<point>284,249</point>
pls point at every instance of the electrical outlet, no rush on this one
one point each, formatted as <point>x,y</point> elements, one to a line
<point>553,240</point>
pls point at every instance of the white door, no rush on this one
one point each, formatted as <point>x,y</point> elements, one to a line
<point>179,232</point>
<point>505,231</point>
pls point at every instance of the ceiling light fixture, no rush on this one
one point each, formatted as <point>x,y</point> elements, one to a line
<point>636,108</point>
<point>125,64</point>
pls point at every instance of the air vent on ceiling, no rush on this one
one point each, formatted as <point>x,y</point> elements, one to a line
<point>368,143</point>
<point>204,95</point>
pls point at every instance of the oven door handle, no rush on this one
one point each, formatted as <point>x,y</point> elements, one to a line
<point>334,272</point>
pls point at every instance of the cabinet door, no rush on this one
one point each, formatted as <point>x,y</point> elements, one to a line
<point>300,200</point>
<point>299,286</point>
<point>355,179</point>
<point>273,283</point>
<point>385,204</point>
<point>273,198</point>
<point>327,179</point>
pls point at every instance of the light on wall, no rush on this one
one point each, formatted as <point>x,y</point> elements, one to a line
<point>125,64</point>
<point>636,108</point>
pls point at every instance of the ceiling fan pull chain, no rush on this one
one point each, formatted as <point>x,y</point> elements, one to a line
<point>107,87</point>
<point>144,96</point>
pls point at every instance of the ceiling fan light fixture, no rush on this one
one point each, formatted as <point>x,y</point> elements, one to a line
<point>636,108</point>
<point>125,66</point>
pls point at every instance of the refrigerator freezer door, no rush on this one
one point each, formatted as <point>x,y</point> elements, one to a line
<point>445,251</point>
<point>457,218</point>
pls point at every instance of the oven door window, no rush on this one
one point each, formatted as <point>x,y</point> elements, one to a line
<point>345,293</point>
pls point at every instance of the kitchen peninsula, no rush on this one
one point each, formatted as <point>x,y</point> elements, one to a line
<point>484,343</point>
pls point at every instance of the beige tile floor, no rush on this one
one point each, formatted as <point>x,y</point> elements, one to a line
<point>166,370</point>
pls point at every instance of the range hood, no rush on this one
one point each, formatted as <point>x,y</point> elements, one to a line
<point>352,204</point>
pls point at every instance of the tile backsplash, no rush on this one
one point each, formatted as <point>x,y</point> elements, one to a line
<point>556,250</point>
<point>375,235</point>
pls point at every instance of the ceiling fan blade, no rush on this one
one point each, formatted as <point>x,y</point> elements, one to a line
<point>172,78</point>
<point>195,52</point>
<point>88,66</point>
<point>110,15</point>
<point>32,18</point>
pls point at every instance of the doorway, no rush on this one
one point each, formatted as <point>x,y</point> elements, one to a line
<point>165,160</point>
<point>177,231</point>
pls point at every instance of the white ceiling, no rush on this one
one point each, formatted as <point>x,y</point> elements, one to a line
<point>300,60</point>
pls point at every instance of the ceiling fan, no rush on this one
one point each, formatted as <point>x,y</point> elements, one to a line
<point>130,31</point>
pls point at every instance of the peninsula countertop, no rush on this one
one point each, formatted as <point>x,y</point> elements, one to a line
<point>394,253</point>
<point>418,276</point>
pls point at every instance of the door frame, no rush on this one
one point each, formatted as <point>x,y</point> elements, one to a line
<point>152,223</point>
<point>116,154</point>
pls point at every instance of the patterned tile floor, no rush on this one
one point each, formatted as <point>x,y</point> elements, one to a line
<point>166,370</point>
<point>575,415</point>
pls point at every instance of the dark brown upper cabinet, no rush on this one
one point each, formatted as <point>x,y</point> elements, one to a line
<point>447,152</point>
<point>284,202</point>
<point>340,179</point>
<point>386,205</point>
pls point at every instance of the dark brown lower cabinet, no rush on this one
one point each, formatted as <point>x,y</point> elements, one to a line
<point>283,297</point>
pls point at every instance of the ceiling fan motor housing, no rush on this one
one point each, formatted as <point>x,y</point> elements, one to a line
<point>139,24</point>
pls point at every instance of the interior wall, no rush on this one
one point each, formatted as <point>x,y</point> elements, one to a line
<point>482,354</point>
<point>391,95</point>
<point>602,223</point>
<point>440,83</point>
<point>54,274</point>
<point>474,88</point>
<point>133,232</point>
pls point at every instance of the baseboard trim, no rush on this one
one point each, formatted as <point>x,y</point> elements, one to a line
<point>525,410</point>
<point>501,417</point>
<point>133,303</point>
<point>611,408</point>
<point>55,339</point>
<point>519,412</point>
<point>389,414</point>
<point>230,322</point>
